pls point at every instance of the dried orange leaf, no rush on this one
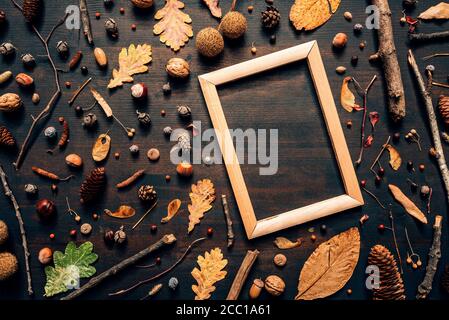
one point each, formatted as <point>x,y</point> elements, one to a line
<point>131,62</point>
<point>210,272</point>
<point>395,157</point>
<point>174,26</point>
<point>408,204</point>
<point>347,98</point>
<point>172,210</point>
<point>330,266</point>
<point>284,243</point>
<point>214,7</point>
<point>202,196</point>
<point>123,212</point>
<point>440,11</point>
<point>101,147</point>
<point>310,14</point>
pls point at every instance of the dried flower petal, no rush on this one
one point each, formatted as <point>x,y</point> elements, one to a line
<point>347,98</point>
<point>373,118</point>
<point>172,210</point>
<point>368,142</point>
<point>395,157</point>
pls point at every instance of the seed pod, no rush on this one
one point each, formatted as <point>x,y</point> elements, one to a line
<point>63,48</point>
<point>31,9</point>
<point>24,80</point>
<point>35,98</point>
<point>111,27</point>
<point>184,111</point>
<point>50,132</point>
<point>74,62</point>
<point>89,120</point>
<point>28,60</point>
<point>10,102</point>
<point>144,118</point>
<point>173,283</point>
<point>7,49</point>
<point>6,137</point>
<point>31,189</point>
<point>5,76</point>
<point>120,236</point>
<point>100,57</point>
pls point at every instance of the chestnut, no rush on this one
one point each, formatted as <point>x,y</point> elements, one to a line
<point>45,208</point>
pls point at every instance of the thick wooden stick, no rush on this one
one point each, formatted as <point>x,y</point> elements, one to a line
<point>424,89</point>
<point>8,193</point>
<point>423,37</point>
<point>227,214</point>
<point>387,54</point>
<point>87,30</point>
<point>165,240</point>
<point>434,257</point>
<point>242,274</point>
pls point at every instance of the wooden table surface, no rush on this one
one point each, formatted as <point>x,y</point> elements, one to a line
<point>283,99</point>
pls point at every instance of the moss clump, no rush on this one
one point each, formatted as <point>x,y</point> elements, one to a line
<point>8,265</point>
<point>233,25</point>
<point>209,42</point>
<point>3,232</point>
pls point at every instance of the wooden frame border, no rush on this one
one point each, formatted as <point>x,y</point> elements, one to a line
<point>353,197</point>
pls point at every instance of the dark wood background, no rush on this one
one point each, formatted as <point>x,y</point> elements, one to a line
<point>281,99</point>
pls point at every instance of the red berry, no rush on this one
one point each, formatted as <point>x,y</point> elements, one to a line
<point>52,236</point>
<point>422,167</point>
<point>363,183</point>
<point>381,227</point>
<point>97,15</point>
<point>133,27</point>
<point>73,233</point>
<point>210,231</point>
<point>158,260</point>
<point>378,180</point>
<point>68,84</point>
<point>381,172</point>
<point>153,228</point>
<point>122,10</point>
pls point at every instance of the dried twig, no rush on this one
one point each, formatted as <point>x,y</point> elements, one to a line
<point>86,21</point>
<point>53,100</point>
<point>26,252</point>
<point>78,91</point>
<point>138,284</point>
<point>374,197</point>
<point>423,37</point>
<point>393,230</point>
<point>227,214</point>
<point>144,215</point>
<point>129,181</point>
<point>435,55</point>
<point>165,240</point>
<point>376,161</point>
<point>242,274</point>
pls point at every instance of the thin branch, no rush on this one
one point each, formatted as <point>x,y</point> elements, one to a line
<point>78,91</point>
<point>390,213</point>
<point>374,197</point>
<point>435,55</point>
<point>379,156</point>
<point>138,284</point>
<point>12,198</point>
<point>53,100</point>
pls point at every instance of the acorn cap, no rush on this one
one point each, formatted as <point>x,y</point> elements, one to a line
<point>8,265</point>
<point>209,42</point>
<point>233,25</point>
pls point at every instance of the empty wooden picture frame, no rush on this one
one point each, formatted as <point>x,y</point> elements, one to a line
<point>352,198</point>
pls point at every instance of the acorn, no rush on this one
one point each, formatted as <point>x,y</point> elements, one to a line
<point>139,91</point>
<point>209,42</point>
<point>233,25</point>
<point>184,169</point>
<point>340,40</point>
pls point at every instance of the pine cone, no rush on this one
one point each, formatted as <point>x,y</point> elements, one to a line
<point>445,279</point>
<point>31,9</point>
<point>93,185</point>
<point>443,106</point>
<point>147,193</point>
<point>6,138</point>
<point>391,284</point>
<point>271,17</point>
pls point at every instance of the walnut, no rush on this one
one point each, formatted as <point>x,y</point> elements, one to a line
<point>143,4</point>
<point>10,102</point>
<point>274,285</point>
<point>178,68</point>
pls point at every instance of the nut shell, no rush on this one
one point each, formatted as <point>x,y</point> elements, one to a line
<point>178,68</point>
<point>10,102</point>
<point>143,4</point>
<point>73,160</point>
<point>274,285</point>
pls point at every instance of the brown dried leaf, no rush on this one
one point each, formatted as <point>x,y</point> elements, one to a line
<point>214,7</point>
<point>310,14</point>
<point>131,62</point>
<point>101,147</point>
<point>123,212</point>
<point>330,266</point>
<point>210,272</point>
<point>174,26</point>
<point>172,210</point>
<point>395,157</point>
<point>347,98</point>
<point>408,204</point>
<point>202,195</point>
<point>284,243</point>
<point>439,12</point>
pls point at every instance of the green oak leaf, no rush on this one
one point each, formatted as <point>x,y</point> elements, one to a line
<point>70,267</point>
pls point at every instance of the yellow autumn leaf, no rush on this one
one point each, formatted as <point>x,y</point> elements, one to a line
<point>210,272</point>
<point>202,196</point>
<point>132,61</point>
<point>174,28</point>
<point>310,14</point>
<point>347,98</point>
<point>395,157</point>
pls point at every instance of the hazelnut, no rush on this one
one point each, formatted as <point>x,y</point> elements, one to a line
<point>280,260</point>
<point>256,289</point>
<point>45,255</point>
<point>274,285</point>
<point>340,40</point>
<point>340,69</point>
<point>178,68</point>
<point>73,160</point>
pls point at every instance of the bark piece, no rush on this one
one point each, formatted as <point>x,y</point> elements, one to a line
<point>242,274</point>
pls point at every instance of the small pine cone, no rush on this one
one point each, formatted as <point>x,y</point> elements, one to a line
<point>391,286</point>
<point>443,106</point>
<point>31,9</point>
<point>147,193</point>
<point>93,185</point>
<point>6,138</point>
<point>445,279</point>
<point>271,17</point>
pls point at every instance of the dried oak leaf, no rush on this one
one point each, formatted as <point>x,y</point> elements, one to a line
<point>284,243</point>
<point>174,26</point>
<point>123,212</point>
<point>131,62</point>
<point>202,195</point>
<point>330,266</point>
<point>395,157</point>
<point>172,210</point>
<point>214,7</point>
<point>439,12</point>
<point>310,14</point>
<point>408,204</point>
<point>347,98</point>
<point>210,272</point>
<point>101,147</point>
